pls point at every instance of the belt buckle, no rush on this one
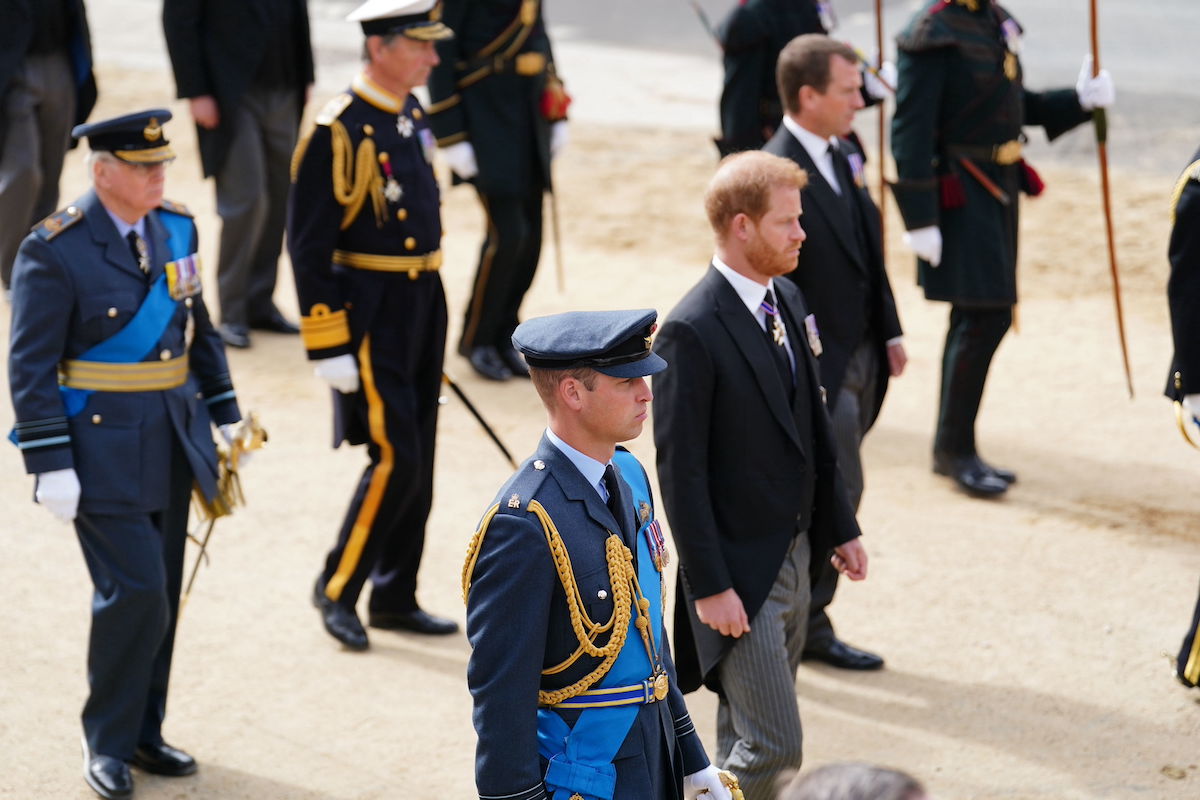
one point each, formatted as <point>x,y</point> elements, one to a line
<point>1007,153</point>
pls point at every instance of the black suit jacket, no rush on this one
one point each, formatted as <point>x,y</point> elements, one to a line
<point>1183,287</point>
<point>731,460</point>
<point>216,47</point>
<point>843,280</point>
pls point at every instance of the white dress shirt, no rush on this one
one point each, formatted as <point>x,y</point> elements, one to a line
<point>591,469</point>
<point>752,293</point>
<point>818,150</point>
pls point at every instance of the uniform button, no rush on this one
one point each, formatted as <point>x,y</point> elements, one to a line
<point>187,301</point>
<point>383,158</point>
<point>369,130</point>
<point>402,214</point>
<point>72,211</point>
<point>199,395</point>
<point>603,595</point>
<point>416,113</point>
<point>112,311</point>
<point>97,419</point>
<point>165,355</point>
<point>410,243</point>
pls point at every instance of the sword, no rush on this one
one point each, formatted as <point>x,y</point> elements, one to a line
<point>454,387</point>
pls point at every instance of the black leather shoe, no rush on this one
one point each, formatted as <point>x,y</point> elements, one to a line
<point>417,621</point>
<point>341,622</point>
<point>109,777</point>
<point>971,474</point>
<point>162,759</point>
<point>276,323</point>
<point>515,361</point>
<point>1008,476</point>
<point>488,362</point>
<point>837,653</point>
<point>234,335</point>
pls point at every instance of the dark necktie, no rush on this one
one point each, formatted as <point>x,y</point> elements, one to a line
<point>141,253</point>
<point>614,498</point>
<point>775,333</point>
<point>841,168</point>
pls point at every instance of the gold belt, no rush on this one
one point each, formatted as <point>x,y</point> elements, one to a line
<point>413,265</point>
<point>143,376</point>
<point>651,690</point>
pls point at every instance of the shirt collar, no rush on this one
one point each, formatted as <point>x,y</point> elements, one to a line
<point>817,146</point>
<point>591,469</point>
<point>376,95</point>
<point>123,227</point>
<point>751,292</point>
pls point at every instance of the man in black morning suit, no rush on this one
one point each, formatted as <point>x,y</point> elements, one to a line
<point>748,469</point>
<point>842,276</point>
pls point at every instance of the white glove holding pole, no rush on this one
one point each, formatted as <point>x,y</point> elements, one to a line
<point>340,372</point>
<point>460,157</point>
<point>1191,405</point>
<point>707,784</point>
<point>880,85</point>
<point>58,491</point>
<point>1094,92</point>
<point>228,431</point>
<point>559,136</point>
<point>926,243</point>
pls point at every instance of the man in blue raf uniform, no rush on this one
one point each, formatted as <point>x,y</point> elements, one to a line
<point>575,691</point>
<point>364,233</point>
<point>117,376</point>
<point>1183,385</point>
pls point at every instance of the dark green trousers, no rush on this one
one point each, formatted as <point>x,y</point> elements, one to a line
<point>975,333</point>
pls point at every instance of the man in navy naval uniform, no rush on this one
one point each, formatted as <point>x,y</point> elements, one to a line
<point>575,691</point>
<point>117,377</point>
<point>365,233</point>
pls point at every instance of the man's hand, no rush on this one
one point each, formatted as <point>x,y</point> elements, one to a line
<point>205,111</point>
<point>850,559</point>
<point>228,431</point>
<point>559,136</point>
<point>880,86</point>
<point>460,157</point>
<point>1094,92</point>
<point>340,372</point>
<point>724,612</point>
<point>897,358</point>
<point>707,784</point>
<point>58,491</point>
<point>1191,405</point>
<point>926,243</point>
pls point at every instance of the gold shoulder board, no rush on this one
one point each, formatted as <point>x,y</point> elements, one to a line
<point>334,108</point>
<point>58,222</point>
<point>177,208</point>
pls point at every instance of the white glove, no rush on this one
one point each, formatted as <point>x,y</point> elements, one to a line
<point>706,782</point>
<point>460,157</point>
<point>1191,405</point>
<point>926,243</point>
<point>876,87</point>
<point>58,491</point>
<point>228,431</point>
<point>340,372</point>
<point>1097,92</point>
<point>559,136</point>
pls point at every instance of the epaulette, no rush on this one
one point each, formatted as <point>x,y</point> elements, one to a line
<point>522,488</point>
<point>334,108</point>
<point>1192,173</point>
<point>933,30</point>
<point>58,222</point>
<point>176,208</point>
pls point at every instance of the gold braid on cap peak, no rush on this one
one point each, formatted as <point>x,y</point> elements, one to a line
<point>621,575</point>
<point>355,175</point>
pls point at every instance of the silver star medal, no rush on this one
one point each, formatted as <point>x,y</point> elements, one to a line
<point>404,126</point>
<point>392,190</point>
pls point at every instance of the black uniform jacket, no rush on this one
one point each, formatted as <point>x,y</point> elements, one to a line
<point>488,90</point>
<point>1183,287</point>
<point>216,48</point>
<point>519,623</point>
<point>960,94</point>
<point>75,284</point>
<point>841,273</point>
<point>730,459</point>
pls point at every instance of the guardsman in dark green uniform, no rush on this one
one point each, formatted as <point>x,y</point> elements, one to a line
<point>1183,384</point>
<point>499,111</point>
<point>957,138</point>
<point>117,376</point>
<point>364,234</point>
<point>575,692</point>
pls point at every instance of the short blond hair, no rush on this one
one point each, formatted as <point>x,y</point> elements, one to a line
<point>743,184</point>
<point>546,381</point>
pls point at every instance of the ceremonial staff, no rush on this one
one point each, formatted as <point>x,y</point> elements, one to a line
<point>1100,118</point>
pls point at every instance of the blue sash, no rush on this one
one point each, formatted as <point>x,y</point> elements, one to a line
<point>140,335</point>
<point>581,757</point>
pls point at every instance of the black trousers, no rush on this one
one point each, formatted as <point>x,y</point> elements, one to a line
<point>971,341</point>
<point>400,365</point>
<point>136,564</point>
<point>1188,664</point>
<point>508,260</point>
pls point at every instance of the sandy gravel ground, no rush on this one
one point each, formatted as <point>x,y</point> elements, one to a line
<point>1024,637</point>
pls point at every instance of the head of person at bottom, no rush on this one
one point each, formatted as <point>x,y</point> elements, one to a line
<point>127,161</point>
<point>852,781</point>
<point>753,206</point>
<point>820,85</point>
<point>589,369</point>
<point>400,48</point>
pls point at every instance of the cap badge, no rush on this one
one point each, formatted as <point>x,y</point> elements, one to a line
<point>153,131</point>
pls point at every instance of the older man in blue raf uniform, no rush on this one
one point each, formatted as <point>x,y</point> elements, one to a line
<point>117,376</point>
<point>364,233</point>
<point>574,687</point>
